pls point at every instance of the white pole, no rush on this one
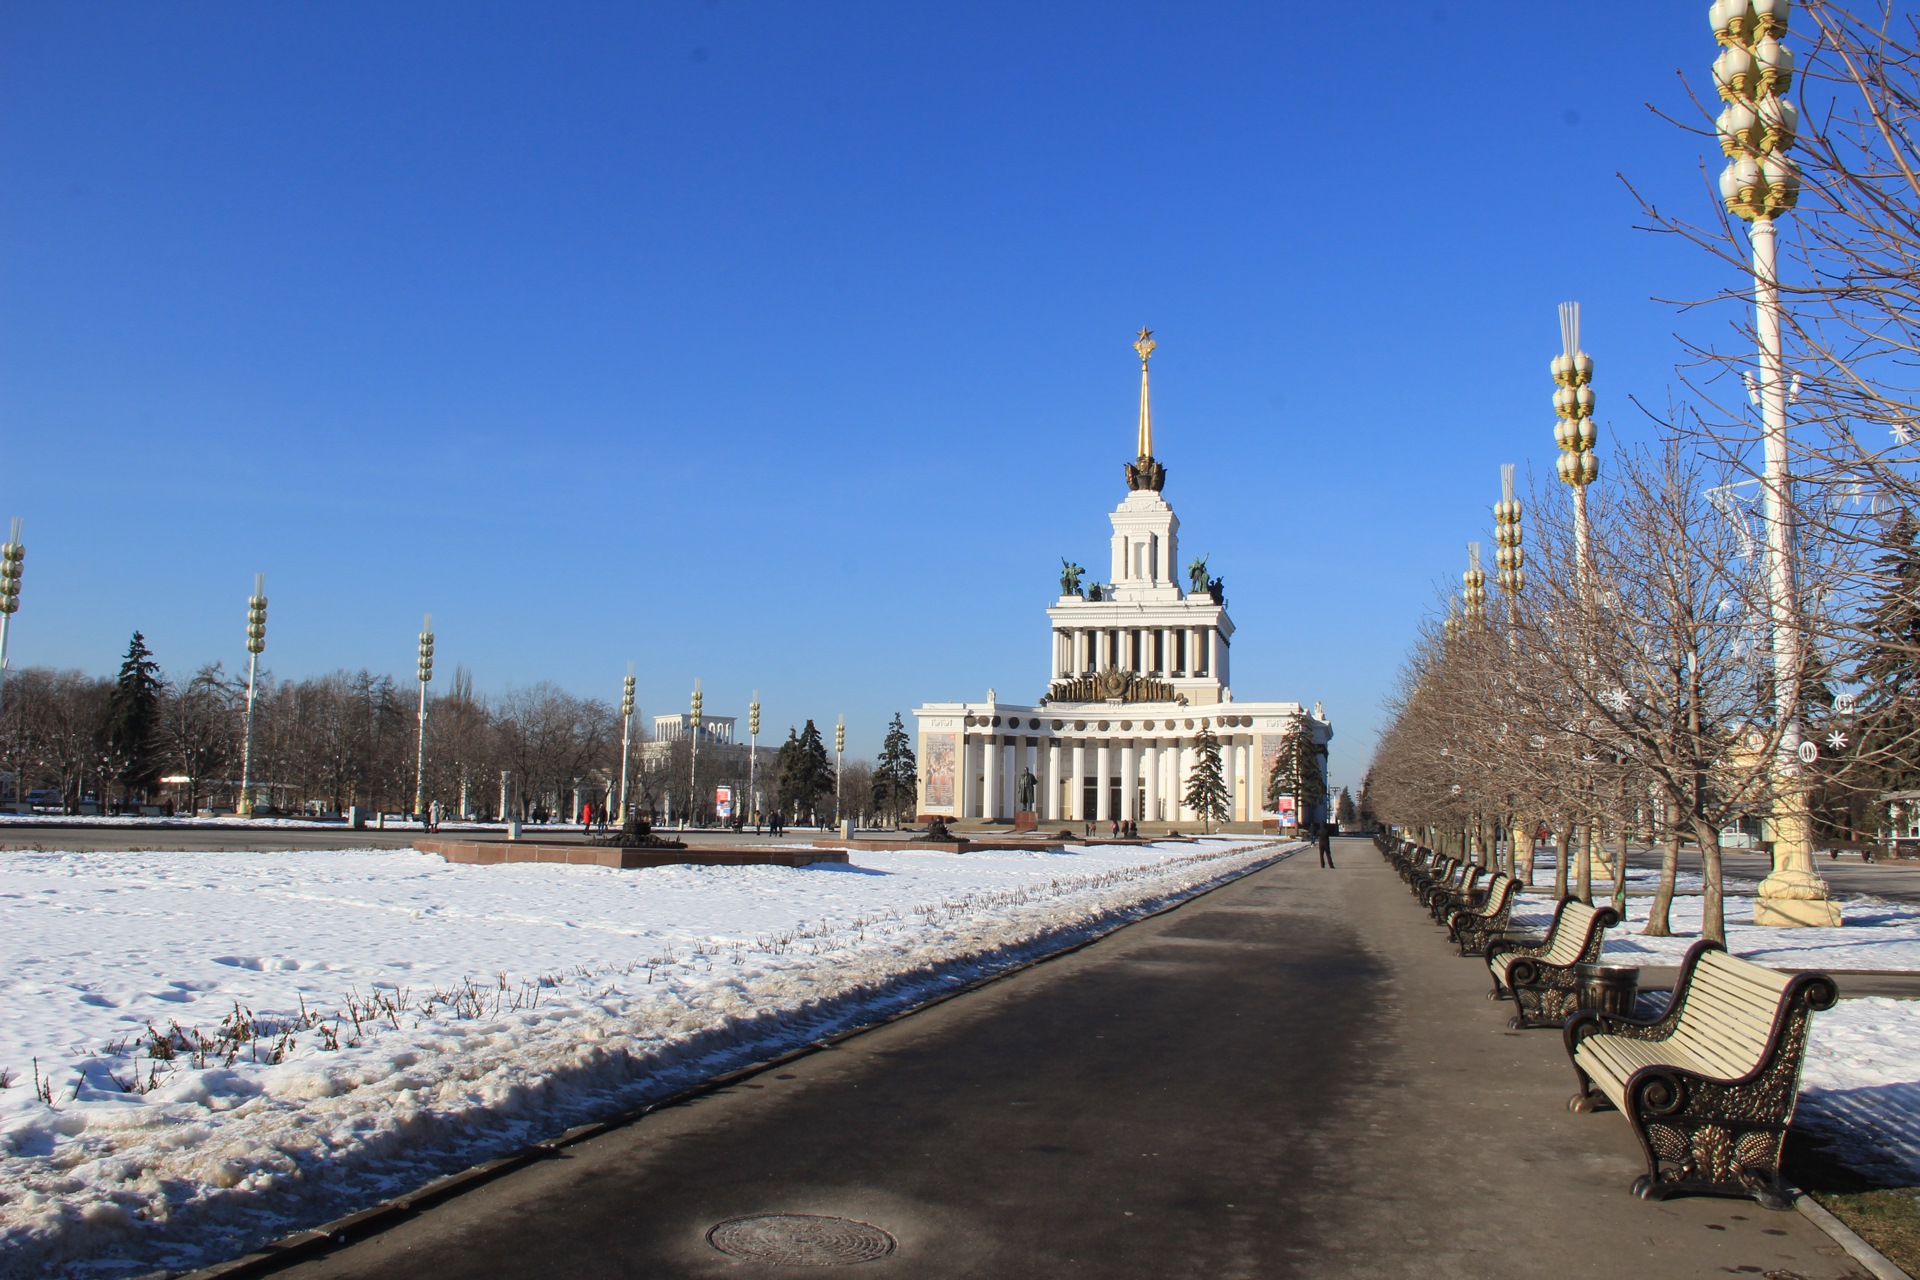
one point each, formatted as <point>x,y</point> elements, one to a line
<point>245,807</point>
<point>1793,876</point>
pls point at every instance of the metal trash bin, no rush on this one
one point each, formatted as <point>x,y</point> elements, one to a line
<point>1608,988</point>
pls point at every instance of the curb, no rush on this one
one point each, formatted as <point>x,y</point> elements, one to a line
<point>301,1245</point>
<point>1877,1264</point>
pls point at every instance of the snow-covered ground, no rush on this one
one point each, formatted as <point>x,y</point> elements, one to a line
<point>335,1027</point>
<point>1860,1083</point>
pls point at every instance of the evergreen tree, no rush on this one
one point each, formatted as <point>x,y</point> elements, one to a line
<point>896,778</point>
<point>1297,773</point>
<point>806,774</point>
<point>1344,813</point>
<point>1207,787</point>
<point>1888,668</point>
<point>131,731</point>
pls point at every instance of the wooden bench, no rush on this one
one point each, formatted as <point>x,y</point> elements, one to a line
<point>1709,1087</point>
<point>1443,872</point>
<point>1471,928</point>
<point>1439,899</point>
<point>1541,976</point>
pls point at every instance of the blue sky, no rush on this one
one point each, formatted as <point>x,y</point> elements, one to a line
<point>788,346</point>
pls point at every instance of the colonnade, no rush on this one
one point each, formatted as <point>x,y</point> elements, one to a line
<point>1138,778</point>
<point>1148,651</point>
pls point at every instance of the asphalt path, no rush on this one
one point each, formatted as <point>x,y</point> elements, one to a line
<point>1290,1076</point>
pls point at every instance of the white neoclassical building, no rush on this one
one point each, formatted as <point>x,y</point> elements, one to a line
<point>1138,666</point>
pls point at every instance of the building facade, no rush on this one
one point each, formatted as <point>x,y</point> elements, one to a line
<point>1139,665</point>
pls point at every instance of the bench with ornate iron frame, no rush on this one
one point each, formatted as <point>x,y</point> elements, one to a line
<point>1471,928</point>
<point>1541,976</point>
<point>1709,1086</point>
<point>1462,891</point>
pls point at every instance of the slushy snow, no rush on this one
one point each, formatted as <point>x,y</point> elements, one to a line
<point>474,1010</point>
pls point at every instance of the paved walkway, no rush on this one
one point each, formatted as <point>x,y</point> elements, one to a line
<point>1288,1077</point>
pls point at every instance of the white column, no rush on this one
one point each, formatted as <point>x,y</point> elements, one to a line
<point>1223,658</point>
<point>1240,806</point>
<point>1213,652</point>
<point>1129,779</point>
<point>1151,772</point>
<point>1183,776</point>
<point>1193,651</point>
<point>967,748</point>
<point>989,782</point>
<point>1102,773</point>
<point>1052,809</point>
<point>1077,797</point>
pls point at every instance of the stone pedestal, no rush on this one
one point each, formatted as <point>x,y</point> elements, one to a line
<point>1794,895</point>
<point>1797,912</point>
<point>1025,821</point>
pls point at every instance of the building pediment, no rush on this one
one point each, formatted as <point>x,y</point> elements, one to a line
<point>1113,685</point>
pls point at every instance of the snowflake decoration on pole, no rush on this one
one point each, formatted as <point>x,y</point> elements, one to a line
<point>1616,700</point>
<point>1836,740</point>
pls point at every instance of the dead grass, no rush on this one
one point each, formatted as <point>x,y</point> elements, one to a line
<point>1888,1219</point>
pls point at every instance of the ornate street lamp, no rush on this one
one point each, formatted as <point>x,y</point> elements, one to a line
<point>13,558</point>
<point>693,754</point>
<point>1473,586</point>
<point>626,735</point>
<point>256,641</point>
<point>1509,555</point>
<point>753,755</point>
<point>1752,75</point>
<point>420,750</point>
<point>839,759</point>
<point>1574,432</point>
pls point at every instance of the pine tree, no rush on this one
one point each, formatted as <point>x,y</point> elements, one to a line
<point>1297,773</point>
<point>896,778</point>
<point>1206,787</point>
<point>1344,813</point>
<point>131,732</point>
<point>806,774</point>
<point>1888,668</point>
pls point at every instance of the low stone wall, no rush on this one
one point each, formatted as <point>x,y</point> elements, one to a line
<point>488,853</point>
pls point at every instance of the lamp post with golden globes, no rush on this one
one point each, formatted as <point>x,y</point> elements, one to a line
<point>626,735</point>
<point>256,641</point>
<point>839,761</point>
<point>1575,433</point>
<point>753,758</point>
<point>1510,557</point>
<point>693,754</point>
<point>13,557</point>
<point>1759,184</point>
<point>425,672</point>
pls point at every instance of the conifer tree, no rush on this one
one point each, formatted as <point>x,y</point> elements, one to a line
<point>131,732</point>
<point>806,773</point>
<point>1297,773</point>
<point>1206,787</point>
<point>896,777</point>
<point>1888,668</point>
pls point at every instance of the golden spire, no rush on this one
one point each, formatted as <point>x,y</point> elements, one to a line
<point>1144,344</point>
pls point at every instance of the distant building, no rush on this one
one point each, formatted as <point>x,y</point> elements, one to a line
<point>1138,666</point>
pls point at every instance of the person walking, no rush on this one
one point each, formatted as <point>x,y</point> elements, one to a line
<point>1326,844</point>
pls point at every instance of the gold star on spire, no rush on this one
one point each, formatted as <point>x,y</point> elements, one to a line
<point>1144,344</point>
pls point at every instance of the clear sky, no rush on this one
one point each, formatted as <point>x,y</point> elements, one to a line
<point>787,346</point>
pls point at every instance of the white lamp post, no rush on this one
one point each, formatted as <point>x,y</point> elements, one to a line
<point>753,756</point>
<point>839,758</point>
<point>1575,433</point>
<point>626,736</point>
<point>256,641</point>
<point>420,750</point>
<point>693,754</point>
<point>12,559</point>
<point>1752,73</point>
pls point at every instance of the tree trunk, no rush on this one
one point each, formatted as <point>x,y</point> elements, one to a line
<point>1583,869</point>
<point>1620,875</point>
<point>1562,840</point>
<point>1658,923</point>
<point>1713,901</point>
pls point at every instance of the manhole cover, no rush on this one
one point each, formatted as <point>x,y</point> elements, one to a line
<point>801,1240</point>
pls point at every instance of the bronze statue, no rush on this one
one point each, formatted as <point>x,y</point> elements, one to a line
<point>1029,786</point>
<point>1069,577</point>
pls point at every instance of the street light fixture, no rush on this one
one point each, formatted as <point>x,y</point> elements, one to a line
<point>753,755</point>
<point>693,754</point>
<point>256,641</point>
<point>1473,586</point>
<point>12,559</point>
<point>839,758</point>
<point>420,750</point>
<point>1510,556</point>
<point>1752,75</point>
<point>1574,432</point>
<point>626,735</point>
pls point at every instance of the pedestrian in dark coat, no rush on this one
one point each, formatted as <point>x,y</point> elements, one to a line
<point>1326,844</point>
